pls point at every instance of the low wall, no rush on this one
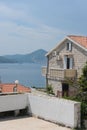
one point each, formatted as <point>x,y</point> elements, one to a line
<point>57,110</point>
<point>13,102</point>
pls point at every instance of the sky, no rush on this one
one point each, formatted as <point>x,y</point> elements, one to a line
<point>28,25</point>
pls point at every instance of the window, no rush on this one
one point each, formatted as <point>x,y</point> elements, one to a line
<point>68,62</point>
<point>69,46</point>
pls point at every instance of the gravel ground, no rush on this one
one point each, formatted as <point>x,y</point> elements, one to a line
<point>28,123</point>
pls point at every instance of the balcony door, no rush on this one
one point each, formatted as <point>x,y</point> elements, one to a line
<point>68,62</point>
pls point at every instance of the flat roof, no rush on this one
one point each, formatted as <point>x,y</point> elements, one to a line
<point>28,123</point>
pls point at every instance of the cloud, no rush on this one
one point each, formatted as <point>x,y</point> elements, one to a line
<point>9,12</point>
<point>22,31</point>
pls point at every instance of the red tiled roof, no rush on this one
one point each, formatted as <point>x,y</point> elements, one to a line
<point>82,40</point>
<point>9,88</point>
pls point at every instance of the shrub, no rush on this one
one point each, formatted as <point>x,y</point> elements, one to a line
<point>49,89</point>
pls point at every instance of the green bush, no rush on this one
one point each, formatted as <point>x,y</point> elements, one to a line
<point>81,83</point>
<point>49,89</point>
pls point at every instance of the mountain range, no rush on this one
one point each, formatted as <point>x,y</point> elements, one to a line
<point>37,56</point>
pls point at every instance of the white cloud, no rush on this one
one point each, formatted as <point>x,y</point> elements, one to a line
<point>23,37</point>
<point>9,12</point>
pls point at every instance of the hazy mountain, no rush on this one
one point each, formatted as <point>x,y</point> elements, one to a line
<point>37,56</point>
<point>6,60</point>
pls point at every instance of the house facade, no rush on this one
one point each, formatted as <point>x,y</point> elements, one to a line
<point>65,61</point>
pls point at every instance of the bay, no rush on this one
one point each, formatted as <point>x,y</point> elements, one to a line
<point>28,74</point>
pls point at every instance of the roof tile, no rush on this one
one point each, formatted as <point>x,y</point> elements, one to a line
<point>9,88</point>
<point>82,40</point>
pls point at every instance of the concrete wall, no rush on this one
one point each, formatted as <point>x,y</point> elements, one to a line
<point>13,102</point>
<point>56,110</point>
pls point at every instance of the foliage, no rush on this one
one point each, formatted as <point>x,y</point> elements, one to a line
<point>83,91</point>
<point>49,89</point>
<point>81,83</point>
<point>83,79</point>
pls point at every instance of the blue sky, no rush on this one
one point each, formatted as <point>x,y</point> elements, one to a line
<point>28,25</point>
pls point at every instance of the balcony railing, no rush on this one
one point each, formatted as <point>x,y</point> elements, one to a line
<point>70,73</point>
<point>56,73</point>
<point>59,73</point>
<point>62,74</point>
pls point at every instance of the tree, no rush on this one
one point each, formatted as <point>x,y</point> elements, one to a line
<point>83,79</point>
<point>81,96</point>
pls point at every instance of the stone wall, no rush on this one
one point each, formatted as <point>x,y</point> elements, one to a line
<point>79,59</point>
<point>56,85</point>
<point>79,56</point>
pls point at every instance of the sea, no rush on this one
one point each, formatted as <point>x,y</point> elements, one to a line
<point>28,74</point>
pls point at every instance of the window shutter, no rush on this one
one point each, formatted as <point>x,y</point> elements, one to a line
<point>71,63</point>
<point>65,62</point>
<point>70,46</point>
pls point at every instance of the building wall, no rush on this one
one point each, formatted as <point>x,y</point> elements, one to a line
<point>79,55</point>
<point>56,85</point>
<point>56,110</point>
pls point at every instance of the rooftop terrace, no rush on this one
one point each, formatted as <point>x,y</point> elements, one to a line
<point>28,123</point>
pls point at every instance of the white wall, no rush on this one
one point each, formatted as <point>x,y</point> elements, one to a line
<point>13,102</point>
<point>50,108</point>
<point>54,109</point>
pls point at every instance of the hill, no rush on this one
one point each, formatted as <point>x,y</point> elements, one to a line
<point>37,56</point>
<point>6,60</point>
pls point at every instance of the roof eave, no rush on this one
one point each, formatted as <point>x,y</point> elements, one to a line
<point>77,43</point>
<point>66,38</point>
<point>58,44</point>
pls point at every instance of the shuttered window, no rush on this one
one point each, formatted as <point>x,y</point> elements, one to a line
<point>69,46</point>
<point>68,62</point>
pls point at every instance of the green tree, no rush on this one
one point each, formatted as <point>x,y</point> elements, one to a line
<point>82,94</point>
<point>83,79</point>
<point>81,84</point>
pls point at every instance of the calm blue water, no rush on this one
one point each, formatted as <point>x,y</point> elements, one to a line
<point>27,74</point>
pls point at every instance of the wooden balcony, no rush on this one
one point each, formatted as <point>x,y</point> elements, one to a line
<point>44,70</point>
<point>61,74</point>
<point>56,73</point>
<point>70,73</point>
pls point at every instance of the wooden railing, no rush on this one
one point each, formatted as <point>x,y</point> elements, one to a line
<point>56,73</point>
<point>70,73</point>
<point>59,73</point>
